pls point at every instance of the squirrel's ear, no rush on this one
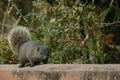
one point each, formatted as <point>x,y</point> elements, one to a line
<point>38,48</point>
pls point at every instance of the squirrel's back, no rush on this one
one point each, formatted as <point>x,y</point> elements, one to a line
<point>17,36</point>
<point>33,50</point>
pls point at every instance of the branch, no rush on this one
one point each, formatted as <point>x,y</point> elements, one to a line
<point>4,19</point>
<point>104,25</point>
<point>84,40</point>
<point>111,3</point>
<point>20,12</point>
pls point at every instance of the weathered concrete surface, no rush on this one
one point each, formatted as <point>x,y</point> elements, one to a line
<point>61,72</point>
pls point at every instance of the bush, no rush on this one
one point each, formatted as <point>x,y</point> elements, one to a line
<point>73,33</point>
<point>6,56</point>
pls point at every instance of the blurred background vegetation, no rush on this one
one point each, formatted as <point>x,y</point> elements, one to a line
<point>75,31</point>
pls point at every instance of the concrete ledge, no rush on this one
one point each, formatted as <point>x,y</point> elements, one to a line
<point>61,72</point>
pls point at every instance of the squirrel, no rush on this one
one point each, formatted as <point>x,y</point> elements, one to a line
<point>28,51</point>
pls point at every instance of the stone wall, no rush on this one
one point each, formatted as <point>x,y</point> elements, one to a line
<point>61,72</point>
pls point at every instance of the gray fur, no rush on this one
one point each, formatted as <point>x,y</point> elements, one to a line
<point>32,52</point>
<point>28,53</point>
<point>17,36</point>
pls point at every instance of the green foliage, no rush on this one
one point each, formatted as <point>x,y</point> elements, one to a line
<point>64,28</point>
<point>73,33</point>
<point>6,55</point>
<point>62,42</point>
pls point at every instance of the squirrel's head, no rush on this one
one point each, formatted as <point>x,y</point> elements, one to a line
<point>41,52</point>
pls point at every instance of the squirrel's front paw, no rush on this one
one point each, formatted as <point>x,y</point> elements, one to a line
<point>20,66</point>
<point>32,64</point>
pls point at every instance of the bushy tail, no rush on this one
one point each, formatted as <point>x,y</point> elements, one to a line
<point>17,36</point>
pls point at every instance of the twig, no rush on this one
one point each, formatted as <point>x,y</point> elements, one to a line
<point>104,25</point>
<point>5,16</point>
<point>19,12</point>
<point>111,3</point>
<point>16,22</point>
<point>84,40</point>
<point>109,24</point>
